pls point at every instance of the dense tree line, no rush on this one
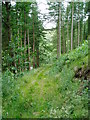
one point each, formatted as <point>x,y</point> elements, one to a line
<point>23,33</point>
<point>72,24</point>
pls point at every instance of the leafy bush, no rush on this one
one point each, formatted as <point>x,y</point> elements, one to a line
<point>70,57</point>
<point>79,52</point>
<point>55,96</point>
<point>8,83</point>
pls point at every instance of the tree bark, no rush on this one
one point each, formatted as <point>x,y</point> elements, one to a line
<point>8,7</point>
<point>28,49</point>
<point>78,27</point>
<point>33,44</point>
<point>37,50</point>
<point>72,26</point>
<point>58,38</point>
<point>25,39</point>
<point>21,52</point>
<point>25,48</point>
<point>37,57</point>
<point>67,31</point>
<point>78,33</point>
<point>14,62</point>
<point>81,30</point>
<point>18,53</point>
<point>64,41</point>
<point>84,35</point>
<point>89,20</point>
<point>13,56</point>
<point>89,33</point>
<point>59,31</point>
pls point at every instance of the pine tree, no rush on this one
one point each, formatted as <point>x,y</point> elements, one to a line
<point>72,26</point>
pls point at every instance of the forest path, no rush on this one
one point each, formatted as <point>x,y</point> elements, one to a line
<point>37,78</point>
<point>48,92</point>
<point>40,88</point>
<point>44,94</point>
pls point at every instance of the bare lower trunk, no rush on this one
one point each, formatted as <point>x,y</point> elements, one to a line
<point>25,39</point>
<point>38,56</point>
<point>57,41</point>
<point>18,58</point>
<point>64,41</point>
<point>8,6</point>
<point>25,47</point>
<point>89,32</point>
<point>84,35</point>
<point>72,26</point>
<point>7,31</point>
<point>78,27</point>
<point>15,65</point>
<point>67,37</point>
<point>89,23</point>
<point>81,28</point>
<point>28,49</point>
<point>33,45</point>
<point>78,33</point>
<point>13,55</point>
<point>59,31</point>
<point>67,31</point>
<point>21,53</point>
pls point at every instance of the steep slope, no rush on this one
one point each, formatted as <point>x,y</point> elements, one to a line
<point>49,91</point>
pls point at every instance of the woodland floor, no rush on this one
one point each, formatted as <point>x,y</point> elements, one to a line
<point>44,94</point>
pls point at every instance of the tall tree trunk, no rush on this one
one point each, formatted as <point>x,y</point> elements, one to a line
<point>33,45</point>
<point>78,33</point>
<point>28,49</point>
<point>0,45</point>
<point>37,55</point>
<point>58,38</point>
<point>81,30</point>
<point>25,47</point>
<point>89,33</point>
<point>67,32</point>
<point>76,38</point>
<point>25,39</point>
<point>7,30</point>
<point>72,26</point>
<point>84,35</point>
<point>64,41</point>
<point>14,62</point>
<point>15,65</point>
<point>89,21</point>
<point>78,27</point>
<point>21,52</point>
<point>13,55</point>
<point>82,26</point>
<point>18,53</point>
<point>59,31</point>
<point>8,7</point>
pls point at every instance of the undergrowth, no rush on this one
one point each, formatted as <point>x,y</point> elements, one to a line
<point>51,91</point>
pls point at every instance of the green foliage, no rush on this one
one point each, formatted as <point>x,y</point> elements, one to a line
<point>41,94</point>
<point>70,57</point>
<point>51,91</point>
<point>24,22</point>
<point>79,52</point>
<point>8,83</point>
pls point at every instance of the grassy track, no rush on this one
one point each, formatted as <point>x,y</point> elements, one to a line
<point>45,93</point>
